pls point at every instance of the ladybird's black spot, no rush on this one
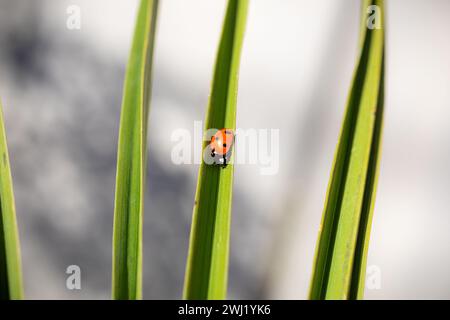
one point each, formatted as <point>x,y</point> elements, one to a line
<point>224,144</point>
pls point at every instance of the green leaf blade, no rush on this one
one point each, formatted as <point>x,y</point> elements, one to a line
<point>207,262</point>
<point>11,287</point>
<point>341,253</point>
<point>131,159</point>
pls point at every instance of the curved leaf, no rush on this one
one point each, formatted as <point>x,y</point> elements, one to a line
<point>131,159</point>
<point>341,253</point>
<point>10,262</point>
<point>207,263</point>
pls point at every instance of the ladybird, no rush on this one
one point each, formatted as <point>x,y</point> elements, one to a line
<point>221,146</point>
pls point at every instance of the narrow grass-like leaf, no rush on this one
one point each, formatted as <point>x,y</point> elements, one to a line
<point>341,253</point>
<point>131,159</point>
<point>207,262</point>
<point>10,262</point>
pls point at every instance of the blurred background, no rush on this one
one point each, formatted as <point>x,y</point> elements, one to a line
<point>61,91</point>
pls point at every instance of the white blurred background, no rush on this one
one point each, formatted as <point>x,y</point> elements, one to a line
<point>61,91</point>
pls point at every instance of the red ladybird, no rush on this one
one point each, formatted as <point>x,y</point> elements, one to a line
<point>221,146</point>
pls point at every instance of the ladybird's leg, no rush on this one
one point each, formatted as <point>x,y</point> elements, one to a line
<point>224,160</point>
<point>213,153</point>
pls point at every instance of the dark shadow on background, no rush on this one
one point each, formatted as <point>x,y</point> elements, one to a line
<point>74,131</point>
